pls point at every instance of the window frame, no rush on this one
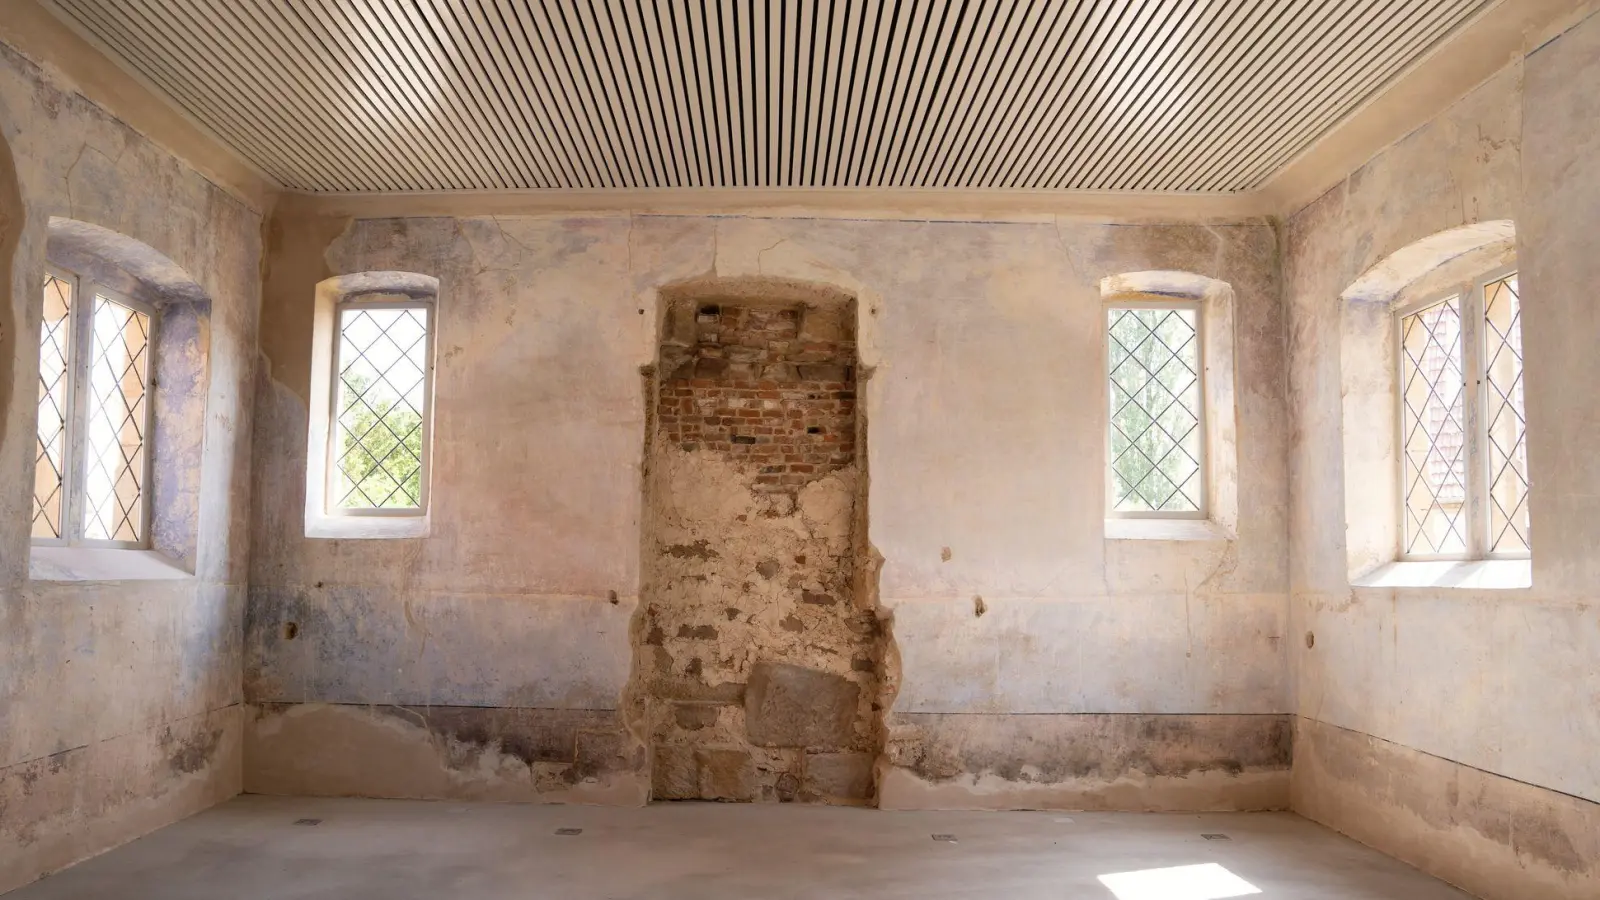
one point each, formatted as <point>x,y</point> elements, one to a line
<point>1475,406</point>
<point>80,330</point>
<point>387,300</point>
<point>1134,301</point>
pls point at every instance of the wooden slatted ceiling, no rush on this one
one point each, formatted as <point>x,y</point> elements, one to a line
<point>438,95</point>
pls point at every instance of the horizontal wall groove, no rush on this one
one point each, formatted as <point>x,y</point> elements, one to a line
<point>164,723</point>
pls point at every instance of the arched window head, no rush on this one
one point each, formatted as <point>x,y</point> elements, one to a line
<point>370,435</point>
<point>1435,430</point>
<point>1171,451</point>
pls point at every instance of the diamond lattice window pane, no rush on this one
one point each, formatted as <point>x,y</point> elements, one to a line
<point>118,413</point>
<point>1433,430</point>
<point>1154,367</point>
<point>1507,446</point>
<point>378,415</point>
<point>55,361</point>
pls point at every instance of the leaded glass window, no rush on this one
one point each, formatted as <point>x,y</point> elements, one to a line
<point>1505,420</point>
<point>91,468</point>
<point>1157,433</point>
<point>380,409</point>
<point>117,415</point>
<point>1463,426</point>
<point>1433,430</point>
<point>55,382</point>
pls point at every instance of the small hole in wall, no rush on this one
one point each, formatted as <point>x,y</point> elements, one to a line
<point>291,630</point>
<point>814,430</point>
<point>1311,640</point>
<point>612,596</point>
<point>710,309</point>
<point>979,607</point>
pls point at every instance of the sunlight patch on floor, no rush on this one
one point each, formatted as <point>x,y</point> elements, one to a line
<point>1204,882</point>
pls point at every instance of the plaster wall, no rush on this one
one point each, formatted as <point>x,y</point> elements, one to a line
<point>119,700</point>
<point>1007,605</point>
<point>1454,727</point>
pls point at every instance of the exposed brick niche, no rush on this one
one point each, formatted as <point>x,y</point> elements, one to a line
<point>757,653</point>
<point>770,386</point>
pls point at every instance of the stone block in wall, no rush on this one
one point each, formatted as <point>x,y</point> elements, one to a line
<point>693,690</point>
<point>675,775</point>
<point>825,372</point>
<point>726,774</point>
<point>826,324</point>
<point>679,329</point>
<point>703,773</point>
<point>695,716</point>
<point>841,776</point>
<point>793,706</point>
<point>601,752</point>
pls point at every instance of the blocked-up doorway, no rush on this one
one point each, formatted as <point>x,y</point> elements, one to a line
<point>757,647</point>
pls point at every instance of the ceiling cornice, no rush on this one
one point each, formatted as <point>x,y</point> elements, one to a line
<point>1498,37</point>
<point>91,70</point>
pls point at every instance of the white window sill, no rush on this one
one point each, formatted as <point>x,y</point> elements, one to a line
<point>1165,530</point>
<point>1483,574</point>
<point>95,564</point>
<point>366,528</point>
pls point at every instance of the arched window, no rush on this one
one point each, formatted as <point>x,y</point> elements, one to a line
<point>1435,432</point>
<point>123,364</point>
<point>370,434</point>
<point>96,367</point>
<point>1463,430</point>
<point>1171,449</point>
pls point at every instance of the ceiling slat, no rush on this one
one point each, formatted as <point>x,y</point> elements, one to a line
<point>332,96</point>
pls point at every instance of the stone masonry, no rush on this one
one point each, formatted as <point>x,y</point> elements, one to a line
<point>757,665</point>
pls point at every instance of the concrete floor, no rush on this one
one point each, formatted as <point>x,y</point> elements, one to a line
<point>252,849</point>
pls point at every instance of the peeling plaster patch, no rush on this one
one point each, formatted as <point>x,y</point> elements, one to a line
<point>469,753</point>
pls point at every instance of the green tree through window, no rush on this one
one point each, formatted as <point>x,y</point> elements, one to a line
<point>380,436</point>
<point>1154,374</point>
<point>380,452</point>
